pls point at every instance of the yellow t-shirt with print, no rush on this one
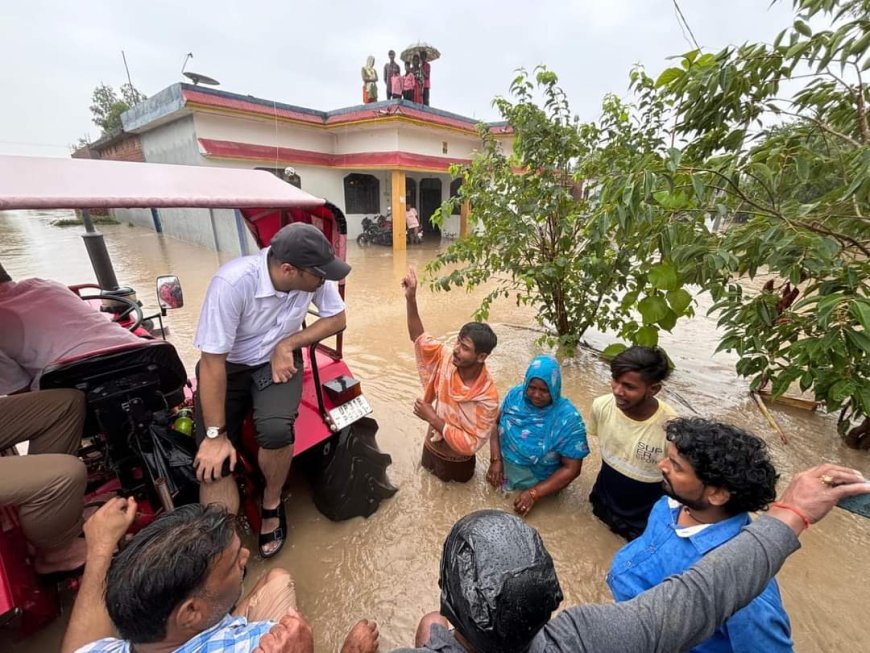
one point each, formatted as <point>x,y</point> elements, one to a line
<point>630,447</point>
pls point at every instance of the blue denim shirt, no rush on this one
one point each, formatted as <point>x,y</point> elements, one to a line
<point>762,625</point>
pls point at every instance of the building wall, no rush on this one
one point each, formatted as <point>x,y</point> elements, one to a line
<point>431,143</point>
<point>175,143</point>
<point>366,140</point>
<point>262,132</point>
<point>127,149</point>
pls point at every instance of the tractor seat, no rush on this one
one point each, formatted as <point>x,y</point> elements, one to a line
<point>120,371</point>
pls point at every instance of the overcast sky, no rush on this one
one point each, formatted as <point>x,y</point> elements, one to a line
<point>309,53</point>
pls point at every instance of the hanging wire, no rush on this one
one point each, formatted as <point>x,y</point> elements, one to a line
<point>684,25</point>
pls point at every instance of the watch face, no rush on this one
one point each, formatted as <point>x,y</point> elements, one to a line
<point>212,432</point>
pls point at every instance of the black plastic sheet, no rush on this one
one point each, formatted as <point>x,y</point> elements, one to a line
<point>498,583</point>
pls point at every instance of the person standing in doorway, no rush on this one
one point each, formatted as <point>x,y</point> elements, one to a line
<point>412,222</point>
<point>630,425</point>
<point>391,70</point>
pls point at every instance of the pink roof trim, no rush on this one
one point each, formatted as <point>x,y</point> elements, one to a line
<point>46,183</point>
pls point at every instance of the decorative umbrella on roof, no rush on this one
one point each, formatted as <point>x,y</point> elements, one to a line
<point>431,52</point>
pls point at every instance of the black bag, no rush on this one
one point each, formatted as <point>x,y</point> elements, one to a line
<point>354,481</point>
<point>170,455</point>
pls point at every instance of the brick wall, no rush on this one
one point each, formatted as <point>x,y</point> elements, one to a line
<point>127,148</point>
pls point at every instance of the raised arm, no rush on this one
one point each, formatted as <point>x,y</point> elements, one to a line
<point>90,620</point>
<point>415,324</point>
<point>686,609</point>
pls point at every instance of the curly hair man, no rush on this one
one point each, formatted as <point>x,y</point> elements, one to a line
<point>714,475</point>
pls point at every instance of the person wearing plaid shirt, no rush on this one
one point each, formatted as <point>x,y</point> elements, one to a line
<point>177,586</point>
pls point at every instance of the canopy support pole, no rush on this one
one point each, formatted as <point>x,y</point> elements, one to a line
<point>99,255</point>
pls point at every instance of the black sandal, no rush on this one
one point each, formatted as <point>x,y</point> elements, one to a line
<point>278,535</point>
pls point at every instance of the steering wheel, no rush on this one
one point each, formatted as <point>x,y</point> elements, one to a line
<point>131,307</point>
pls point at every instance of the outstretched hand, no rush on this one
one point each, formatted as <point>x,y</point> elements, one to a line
<point>817,490</point>
<point>409,283</point>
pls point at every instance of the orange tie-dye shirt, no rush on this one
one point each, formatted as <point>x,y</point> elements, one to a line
<point>469,412</point>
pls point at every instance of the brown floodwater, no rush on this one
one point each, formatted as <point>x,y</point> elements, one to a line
<point>386,567</point>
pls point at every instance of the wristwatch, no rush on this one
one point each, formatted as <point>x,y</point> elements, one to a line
<point>212,432</point>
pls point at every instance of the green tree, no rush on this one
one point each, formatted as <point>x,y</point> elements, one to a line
<point>804,189</point>
<point>107,106</point>
<point>541,237</point>
<point>708,178</point>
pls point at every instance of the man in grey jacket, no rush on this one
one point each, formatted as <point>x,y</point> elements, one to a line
<point>673,616</point>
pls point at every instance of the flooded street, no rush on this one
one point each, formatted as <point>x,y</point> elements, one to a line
<point>386,567</point>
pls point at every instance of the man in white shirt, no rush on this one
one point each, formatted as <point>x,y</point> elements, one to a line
<point>250,335</point>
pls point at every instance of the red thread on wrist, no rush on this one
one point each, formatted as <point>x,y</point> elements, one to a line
<point>799,513</point>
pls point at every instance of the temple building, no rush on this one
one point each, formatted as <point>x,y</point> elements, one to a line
<point>365,159</point>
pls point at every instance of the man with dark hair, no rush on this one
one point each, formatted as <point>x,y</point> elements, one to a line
<point>504,612</point>
<point>456,379</point>
<point>250,329</point>
<point>426,70</point>
<point>629,424</point>
<point>391,69</point>
<point>714,476</point>
<point>177,586</point>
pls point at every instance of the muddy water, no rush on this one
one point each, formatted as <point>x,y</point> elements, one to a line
<point>386,567</point>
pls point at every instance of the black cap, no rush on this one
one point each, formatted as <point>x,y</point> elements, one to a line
<point>304,246</point>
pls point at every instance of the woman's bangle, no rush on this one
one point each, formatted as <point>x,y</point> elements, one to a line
<point>533,493</point>
<point>799,513</point>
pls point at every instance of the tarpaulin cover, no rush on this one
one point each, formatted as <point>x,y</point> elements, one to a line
<point>498,583</point>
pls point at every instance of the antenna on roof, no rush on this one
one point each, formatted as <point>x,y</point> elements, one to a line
<point>127,68</point>
<point>197,78</point>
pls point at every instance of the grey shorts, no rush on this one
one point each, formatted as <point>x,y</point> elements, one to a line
<point>275,407</point>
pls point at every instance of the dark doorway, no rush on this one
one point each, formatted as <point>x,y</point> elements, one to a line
<point>410,194</point>
<point>430,201</point>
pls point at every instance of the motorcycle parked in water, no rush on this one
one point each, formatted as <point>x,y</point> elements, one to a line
<point>379,231</point>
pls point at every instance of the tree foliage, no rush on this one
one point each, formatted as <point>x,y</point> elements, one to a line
<point>107,106</point>
<point>798,169</point>
<point>543,240</point>
<point>750,162</point>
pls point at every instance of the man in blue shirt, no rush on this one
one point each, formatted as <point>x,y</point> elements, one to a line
<point>714,476</point>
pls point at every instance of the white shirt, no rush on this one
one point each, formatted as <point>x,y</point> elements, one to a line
<point>244,317</point>
<point>42,322</point>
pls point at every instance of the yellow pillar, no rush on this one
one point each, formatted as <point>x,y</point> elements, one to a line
<point>463,219</point>
<point>398,203</point>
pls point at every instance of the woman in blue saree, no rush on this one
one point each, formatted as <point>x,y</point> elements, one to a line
<point>541,439</point>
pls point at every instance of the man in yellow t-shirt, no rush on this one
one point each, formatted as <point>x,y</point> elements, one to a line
<point>630,425</point>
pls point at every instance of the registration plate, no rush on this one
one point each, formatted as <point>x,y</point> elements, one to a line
<point>348,413</point>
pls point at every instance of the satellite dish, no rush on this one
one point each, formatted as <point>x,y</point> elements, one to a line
<point>197,79</point>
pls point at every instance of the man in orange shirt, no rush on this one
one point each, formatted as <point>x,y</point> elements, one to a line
<point>455,379</point>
